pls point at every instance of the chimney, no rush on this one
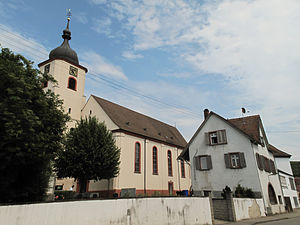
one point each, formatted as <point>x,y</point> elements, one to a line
<point>206,112</point>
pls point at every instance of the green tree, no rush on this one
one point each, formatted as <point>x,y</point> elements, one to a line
<point>296,168</point>
<point>32,126</point>
<point>90,153</point>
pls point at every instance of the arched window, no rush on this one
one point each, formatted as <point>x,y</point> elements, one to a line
<point>72,83</point>
<point>272,195</point>
<point>137,158</point>
<point>154,160</point>
<point>170,173</point>
<point>182,169</point>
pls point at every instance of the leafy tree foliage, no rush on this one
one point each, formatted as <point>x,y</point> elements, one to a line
<point>32,123</point>
<point>296,168</point>
<point>90,153</point>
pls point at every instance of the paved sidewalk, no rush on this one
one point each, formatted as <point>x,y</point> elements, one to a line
<point>277,217</point>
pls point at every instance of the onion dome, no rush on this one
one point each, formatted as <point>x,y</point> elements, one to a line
<point>64,51</point>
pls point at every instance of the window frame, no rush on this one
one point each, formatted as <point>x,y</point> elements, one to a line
<point>170,167</point>
<point>75,87</point>
<point>283,182</point>
<point>182,168</point>
<point>292,184</point>
<point>240,156</point>
<point>137,165</point>
<point>154,166</point>
<point>220,135</point>
<point>199,164</point>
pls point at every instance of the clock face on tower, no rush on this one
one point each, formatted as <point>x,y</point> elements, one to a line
<point>73,71</point>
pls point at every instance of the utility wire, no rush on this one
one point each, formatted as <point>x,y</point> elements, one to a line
<point>112,83</point>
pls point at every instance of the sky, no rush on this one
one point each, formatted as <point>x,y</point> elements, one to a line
<point>172,59</point>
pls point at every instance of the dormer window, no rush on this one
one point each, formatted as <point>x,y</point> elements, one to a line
<point>216,137</point>
<point>72,83</point>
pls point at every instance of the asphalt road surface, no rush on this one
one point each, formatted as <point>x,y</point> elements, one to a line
<point>289,221</point>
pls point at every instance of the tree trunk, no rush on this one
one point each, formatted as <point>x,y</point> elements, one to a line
<point>82,185</point>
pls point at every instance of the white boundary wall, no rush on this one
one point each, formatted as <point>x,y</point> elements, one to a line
<point>139,211</point>
<point>246,208</point>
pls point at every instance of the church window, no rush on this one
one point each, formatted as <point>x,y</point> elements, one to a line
<point>154,158</point>
<point>72,83</point>
<point>182,169</point>
<point>170,172</point>
<point>137,158</point>
<point>69,111</point>
<point>45,84</point>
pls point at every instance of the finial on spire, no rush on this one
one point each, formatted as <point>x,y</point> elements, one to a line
<point>69,14</point>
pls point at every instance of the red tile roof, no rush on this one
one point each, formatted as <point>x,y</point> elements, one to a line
<point>137,123</point>
<point>249,125</point>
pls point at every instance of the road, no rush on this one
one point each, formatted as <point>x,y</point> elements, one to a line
<point>292,218</point>
<point>289,221</point>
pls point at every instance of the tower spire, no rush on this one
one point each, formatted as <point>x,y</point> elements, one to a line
<point>64,51</point>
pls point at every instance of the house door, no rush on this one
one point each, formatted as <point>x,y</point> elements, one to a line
<point>288,204</point>
<point>170,188</point>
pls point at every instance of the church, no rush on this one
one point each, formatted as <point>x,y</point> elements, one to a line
<point>149,162</point>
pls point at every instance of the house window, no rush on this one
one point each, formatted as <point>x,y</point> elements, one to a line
<point>292,184</point>
<point>272,166</point>
<point>235,160</point>
<point>137,160</point>
<point>267,165</point>
<point>283,181</point>
<point>72,83</point>
<point>170,173</point>
<point>216,137</point>
<point>258,160</point>
<point>69,111</point>
<point>154,158</point>
<point>296,202</point>
<point>272,195</point>
<point>182,168</point>
<point>203,162</point>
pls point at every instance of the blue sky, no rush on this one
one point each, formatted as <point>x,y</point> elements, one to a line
<point>172,59</point>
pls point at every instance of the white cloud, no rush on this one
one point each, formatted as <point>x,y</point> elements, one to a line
<point>81,17</point>
<point>102,26</point>
<point>26,46</point>
<point>131,55</point>
<point>253,45</point>
<point>97,64</point>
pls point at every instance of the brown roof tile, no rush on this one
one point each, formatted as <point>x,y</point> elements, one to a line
<point>249,125</point>
<point>137,123</point>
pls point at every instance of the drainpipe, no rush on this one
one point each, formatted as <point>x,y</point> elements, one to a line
<point>178,164</point>
<point>145,166</point>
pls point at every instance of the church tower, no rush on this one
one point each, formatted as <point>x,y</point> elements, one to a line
<point>64,66</point>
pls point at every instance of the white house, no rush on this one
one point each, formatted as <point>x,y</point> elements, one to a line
<point>286,177</point>
<point>229,152</point>
<point>149,148</point>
